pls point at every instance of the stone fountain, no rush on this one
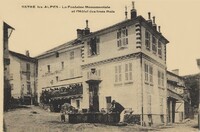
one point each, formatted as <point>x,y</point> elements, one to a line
<point>93,115</point>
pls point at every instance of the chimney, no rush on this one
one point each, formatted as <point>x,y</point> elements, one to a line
<point>159,29</point>
<point>176,71</point>
<point>133,11</point>
<point>87,29</point>
<point>126,13</point>
<point>79,33</point>
<point>154,23</point>
<point>27,53</point>
<point>149,20</point>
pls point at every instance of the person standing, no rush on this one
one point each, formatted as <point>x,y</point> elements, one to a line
<point>118,108</point>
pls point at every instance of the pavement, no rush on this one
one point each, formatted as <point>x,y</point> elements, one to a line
<point>35,119</point>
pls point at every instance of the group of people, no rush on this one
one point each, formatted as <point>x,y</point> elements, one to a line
<point>115,107</point>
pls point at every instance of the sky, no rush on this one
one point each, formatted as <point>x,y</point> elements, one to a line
<point>38,30</point>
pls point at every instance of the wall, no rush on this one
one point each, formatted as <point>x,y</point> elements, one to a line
<point>19,79</point>
<point>154,95</point>
<point>108,46</point>
<point>70,73</point>
<point>150,53</point>
<point>15,73</point>
<point>124,92</point>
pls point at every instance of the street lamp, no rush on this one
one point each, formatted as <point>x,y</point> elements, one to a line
<point>198,63</point>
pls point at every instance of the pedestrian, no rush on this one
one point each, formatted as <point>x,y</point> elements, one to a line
<point>66,108</point>
<point>62,115</point>
<point>118,108</point>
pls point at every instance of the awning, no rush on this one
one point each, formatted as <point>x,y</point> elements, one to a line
<point>172,94</point>
<point>67,97</point>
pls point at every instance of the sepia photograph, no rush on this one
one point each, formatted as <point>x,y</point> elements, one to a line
<point>101,65</point>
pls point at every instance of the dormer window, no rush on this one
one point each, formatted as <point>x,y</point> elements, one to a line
<point>93,46</point>
<point>122,37</point>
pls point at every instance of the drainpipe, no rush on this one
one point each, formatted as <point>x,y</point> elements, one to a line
<point>142,120</point>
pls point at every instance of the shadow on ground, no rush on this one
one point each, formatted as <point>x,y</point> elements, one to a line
<point>13,107</point>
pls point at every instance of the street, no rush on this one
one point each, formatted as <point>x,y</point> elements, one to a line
<point>35,119</point>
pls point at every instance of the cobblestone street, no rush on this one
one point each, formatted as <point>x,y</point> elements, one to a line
<point>35,119</point>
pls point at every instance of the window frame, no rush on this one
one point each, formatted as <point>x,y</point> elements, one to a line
<point>128,70</point>
<point>71,55</point>
<point>154,44</point>
<point>160,49</point>
<point>48,68</point>
<point>62,65</point>
<point>146,71</point>
<point>151,74</point>
<point>96,41</point>
<point>118,73</point>
<point>161,78</point>
<point>148,40</point>
<point>122,37</point>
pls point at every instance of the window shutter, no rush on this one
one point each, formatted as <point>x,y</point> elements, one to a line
<point>89,49</point>
<point>97,44</point>
<point>126,32</point>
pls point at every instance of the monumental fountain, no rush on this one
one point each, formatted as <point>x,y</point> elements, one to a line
<point>92,114</point>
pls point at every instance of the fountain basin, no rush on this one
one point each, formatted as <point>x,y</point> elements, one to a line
<point>94,117</point>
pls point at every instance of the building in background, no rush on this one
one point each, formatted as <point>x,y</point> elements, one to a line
<point>130,59</point>
<point>178,99</point>
<point>59,74</point>
<point>22,77</point>
<point>7,31</point>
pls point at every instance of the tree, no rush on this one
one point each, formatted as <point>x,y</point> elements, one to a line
<point>192,82</point>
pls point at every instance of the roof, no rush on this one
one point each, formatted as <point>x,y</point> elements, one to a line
<point>23,57</point>
<point>7,26</point>
<point>180,77</point>
<point>57,48</point>
<point>124,22</point>
<point>130,21</point>
<point>174,95</point>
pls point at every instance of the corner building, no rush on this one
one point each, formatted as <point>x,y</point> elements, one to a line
<point>129,58</point>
